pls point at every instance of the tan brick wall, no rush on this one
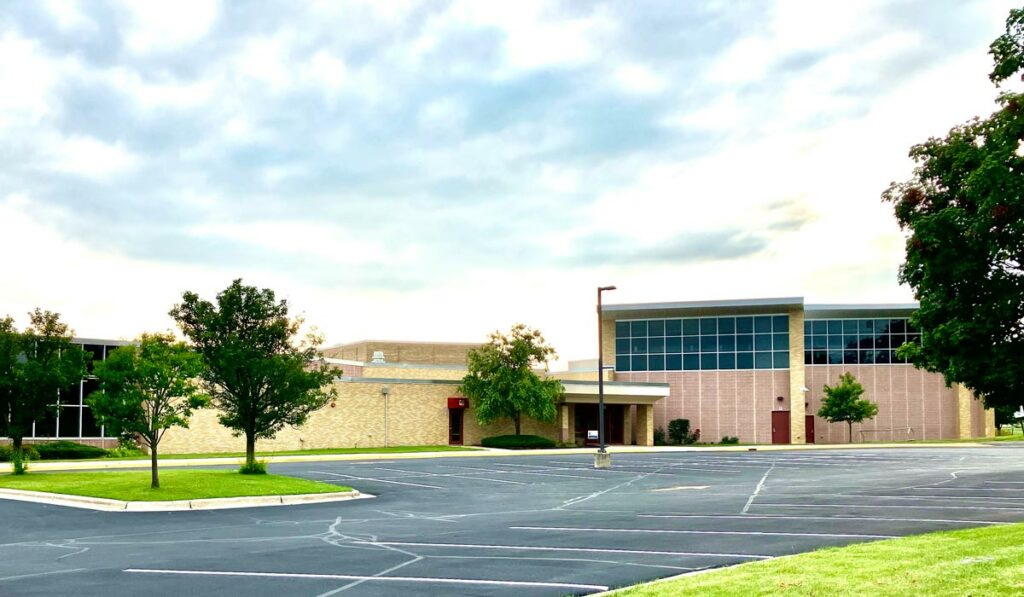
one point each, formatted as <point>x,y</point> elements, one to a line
<point>581,375</point>
<point>644,425</point>
<point>392,372</point>
<point>424,353</point>
<point>608,342</point>
<point>797,423</point>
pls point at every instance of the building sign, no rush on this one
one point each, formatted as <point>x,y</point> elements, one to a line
<point>458,403</point>
<point>592,434</point>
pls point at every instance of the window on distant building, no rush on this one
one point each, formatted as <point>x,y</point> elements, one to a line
<point>856,341</point>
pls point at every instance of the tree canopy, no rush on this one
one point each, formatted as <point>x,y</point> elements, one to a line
<point>843,403</point>
<point>256,373</point>
<point>35,365</point>
<point>964,212</point>
<point>501,382</point>
<point>147,389</point>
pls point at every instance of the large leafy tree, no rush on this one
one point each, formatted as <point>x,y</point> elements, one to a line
<point>147,389</point>
<point>502,383</point>
<point>964,211</point>
<point>256,373</point>
<point>35,365</point>
<point>843,404</point>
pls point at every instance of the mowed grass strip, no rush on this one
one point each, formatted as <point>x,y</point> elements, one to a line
<point>322,452</point>
<point>133,486</point>
<point>984,561</point>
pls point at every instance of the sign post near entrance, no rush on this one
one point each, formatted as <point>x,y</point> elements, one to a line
<point>602,459</point>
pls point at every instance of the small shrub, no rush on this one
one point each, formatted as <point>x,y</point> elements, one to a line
<point>28,453</point>
<point>659,436</point>
<point>125,452</point>
<point>730,440</point>
<point>258,467</point>
<point>517,442</point>
<point>19,464</point>
<point>65,450</point>
<point>692,438</point>
<point>679,432</point>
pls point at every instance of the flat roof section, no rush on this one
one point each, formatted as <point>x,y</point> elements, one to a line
<point>859,310</point>
<point>699,308</point>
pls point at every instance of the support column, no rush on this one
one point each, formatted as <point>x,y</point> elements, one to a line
<point>608,344</point>
<point>990,422</point>
<point>627,426</point>
<point>644,425</point>
<point>963,412</point>
<point>566,423</point>
<point>797,381</point>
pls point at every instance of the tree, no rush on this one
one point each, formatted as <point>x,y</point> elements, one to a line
<point>35,365</point>
<point>964,211</point>
<point>501,382</point>
<point>843,403</point>
<point>254,372</point>
<point>147,389</point>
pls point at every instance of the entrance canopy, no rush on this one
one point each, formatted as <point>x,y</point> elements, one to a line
<point>615,392</point>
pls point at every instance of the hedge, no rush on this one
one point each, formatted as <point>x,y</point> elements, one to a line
<point>65,450</point>
<point>517,442</point>
<point>6,451</point>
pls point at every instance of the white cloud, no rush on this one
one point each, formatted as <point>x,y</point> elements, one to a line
<point>27,78</point>
<point>637,78</point>
<point>167,26</point>
<point>92,158</point>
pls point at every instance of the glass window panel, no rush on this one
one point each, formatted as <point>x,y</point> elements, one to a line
<point>820,357</point>
<point>762,341</point>
<point>780,341</point>
<point>744,360</point>
<point>744,325</point>
<point>726,325</point>
<point>762,360</point>
<point>691,362</point>
<point>897,326</point>
<point>835,357</point>
<point>726,343</point>
<point>71,395</point>
<point>850,327</point>
<point>835,326</point>
<point>46,426</point>
<point>893,358</point>
<point>622,329</point>
<point>881,326</point>
<point>911,328</point>
<point>709,343</point>
<point>691,327</point>
<point>780,323</point>
<point>867,326</point>
<point>68,422</point>
<point>808,343</point>
<point>881,341</point>
<point>867,357</point>
<point>89,386</point>
<point>621,364</point>
<point>655,345</point>
<point>763,324</point>
<point>95,351</point>
<point>656,362</point>
<point>727,360</point>
<point>851,357</point>
<point>691,343</point>
<point>808,358</point>
<point>674,362</point>
<point>897,340</point>
<point>656,327</point>
<point>851,341</point>
<point>90,428</point>
<point>638,363</point>
<point>673,344</point>
<point>708,325</point>
<point>807,327</point>
<point>638,329</point>
<point>833,342</point>
<point>622,346</point>
<point>638,345</point>
<point>674,327</point>
<point>745,342</point>
<point>780,359</point>
<point>819,326</point>
<point>883,357</point>
<point>914,338</point>
<point>708,362</point>
<point>867,342</point>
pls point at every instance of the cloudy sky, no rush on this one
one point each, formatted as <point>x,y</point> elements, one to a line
<point>436,170</point>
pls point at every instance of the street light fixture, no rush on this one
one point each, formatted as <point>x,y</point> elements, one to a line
<point>602,459</point>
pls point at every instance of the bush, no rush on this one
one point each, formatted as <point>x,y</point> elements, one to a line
<point>30,453</point>
<point>730,440</point>
<point>125,452</point>
<point>517,442</point>
<point>65,450</point>
<point>258,467</point>
<point>659,436</point>
<point>679,432</point>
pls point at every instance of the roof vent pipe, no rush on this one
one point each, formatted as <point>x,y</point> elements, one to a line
<point>378,357</point>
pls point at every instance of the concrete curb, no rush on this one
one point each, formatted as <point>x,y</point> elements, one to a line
<point>108,505</point>
<point>71,465</point>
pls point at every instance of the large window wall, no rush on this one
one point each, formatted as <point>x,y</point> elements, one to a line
<point>75,420</point>
<point>702,343</point>
<point>856,341</point>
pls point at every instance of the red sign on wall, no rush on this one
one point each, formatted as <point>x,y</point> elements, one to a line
<point>458,403</point>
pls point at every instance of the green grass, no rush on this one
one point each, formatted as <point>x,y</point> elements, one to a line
<point>976,562</point>
<point>174,484</point>
<point>324,451</point>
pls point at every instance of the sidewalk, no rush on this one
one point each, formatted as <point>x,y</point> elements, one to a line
<point>72,465</point>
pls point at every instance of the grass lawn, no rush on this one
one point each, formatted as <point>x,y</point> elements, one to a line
<point>391,450</point>
<point>984,561</point>
<point>174,484</point>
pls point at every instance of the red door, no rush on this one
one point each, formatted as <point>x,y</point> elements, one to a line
<point>780,426</point>
<point>455,427</point>
<point>809,428</point>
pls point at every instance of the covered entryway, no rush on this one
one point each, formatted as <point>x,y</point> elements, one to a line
<point>456,427</point>
<point>586,416</point>
<point>628,414</point>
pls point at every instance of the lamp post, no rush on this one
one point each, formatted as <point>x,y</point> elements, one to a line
<point>602,459</point>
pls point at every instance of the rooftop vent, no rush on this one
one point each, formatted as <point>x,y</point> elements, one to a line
<point>378,357</point>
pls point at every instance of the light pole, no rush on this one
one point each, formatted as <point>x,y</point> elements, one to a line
<point>602,459</point>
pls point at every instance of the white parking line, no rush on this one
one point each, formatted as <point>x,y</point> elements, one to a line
<point>783,517</point>
<point>413,474</point>
<point>679,532</point>
<point>949,507</point>
<point>1007,482</point>
<point>408,579</point>
<point>525,473</point>
<point>21,576</point>
<point>569,549</point>
<point>374,479</point>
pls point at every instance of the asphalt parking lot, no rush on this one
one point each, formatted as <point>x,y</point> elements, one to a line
<point>525,525</point>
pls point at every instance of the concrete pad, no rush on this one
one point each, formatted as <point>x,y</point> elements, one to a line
<point>108,505</point>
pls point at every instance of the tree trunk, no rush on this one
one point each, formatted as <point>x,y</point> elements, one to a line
<point>155,484</point>
<point>250,448</point>
<point>517,420</point>
<point>16,443</point>
<point>849,437</point>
